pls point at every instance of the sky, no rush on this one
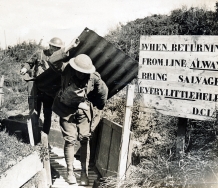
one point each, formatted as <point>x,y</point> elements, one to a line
<point>24,20</point>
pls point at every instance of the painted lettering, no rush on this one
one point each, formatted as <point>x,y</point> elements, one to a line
<point>154,76</point>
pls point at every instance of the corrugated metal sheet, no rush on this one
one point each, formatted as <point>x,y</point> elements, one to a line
<point>116,68</point>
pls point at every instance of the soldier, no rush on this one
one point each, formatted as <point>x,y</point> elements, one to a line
<point>35,66</point>
<point>82,89</point>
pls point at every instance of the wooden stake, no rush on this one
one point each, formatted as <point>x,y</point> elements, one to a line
<point>42,183</point>
<point>30,131</point>
<point>1,90</point>
<point>126,133</point>
<point>32,95</point>
<point>46,159</point>
<point>180,142</point>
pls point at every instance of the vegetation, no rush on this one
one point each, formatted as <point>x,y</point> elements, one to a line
<point>15,92</point>
<point>10,151</point>
<point>155,163</point>
<point>193,21</point>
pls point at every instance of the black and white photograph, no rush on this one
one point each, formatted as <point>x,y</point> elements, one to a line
<point>108,94</point>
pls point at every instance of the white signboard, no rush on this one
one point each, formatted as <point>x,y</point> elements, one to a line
<point>178,75</point>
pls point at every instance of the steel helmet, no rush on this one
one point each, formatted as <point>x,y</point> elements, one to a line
<point>82,63</point>
<point>56,42</point>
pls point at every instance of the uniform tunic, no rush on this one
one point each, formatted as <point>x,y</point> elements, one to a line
<point>91,90</point>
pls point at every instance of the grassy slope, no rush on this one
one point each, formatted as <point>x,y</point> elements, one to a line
<point>11,152</point>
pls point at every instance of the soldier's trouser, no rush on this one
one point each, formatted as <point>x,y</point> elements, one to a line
<point>46,101</point>
<point>76,128</point>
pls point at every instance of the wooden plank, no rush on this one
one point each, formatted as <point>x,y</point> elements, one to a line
<point>32,97</point>
<point>108,165</point>
<point>19,174</point>
<point>114,153</point>
<point>126,133</point>
<point>164,112</point>
<point>129,157</point>
<point>188,77</point>
<point>187,109</point>
<point>113,125</point>
<point>30,132</point>
<point>174,86</point>
<point>104,149</point>
<point>94,144</point>
<point>46,159</point>
<point>42,182</point>
<point>98,140</point>
<point>182,39</point>
<point>176,60</point>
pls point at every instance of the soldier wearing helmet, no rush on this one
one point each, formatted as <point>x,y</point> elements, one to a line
<point>35,66</point>
<point>55,44</point>
<point>82,90</point>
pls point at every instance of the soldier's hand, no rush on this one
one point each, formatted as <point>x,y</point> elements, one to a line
<point>23,71</point>
<point>83,106</point>
<point>74,43</point>
<point>96,119</point>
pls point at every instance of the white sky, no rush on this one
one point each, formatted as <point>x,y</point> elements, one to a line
<point>43,19</point>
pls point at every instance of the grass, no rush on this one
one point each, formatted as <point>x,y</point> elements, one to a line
<point>155,164</point>
<point>12,151</point>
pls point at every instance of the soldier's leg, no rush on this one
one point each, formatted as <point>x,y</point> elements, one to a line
<point>69,131</point>
<point>84,133</point>
<point>47,111</point>
<point>84,158</point>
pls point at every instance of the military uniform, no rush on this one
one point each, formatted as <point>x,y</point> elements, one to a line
<point>75,122</point>
<point>35,66</point>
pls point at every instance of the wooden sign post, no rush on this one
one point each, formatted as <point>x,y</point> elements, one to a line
<point>180,140</point>
<point>126,133</point>
<point>1,91</point>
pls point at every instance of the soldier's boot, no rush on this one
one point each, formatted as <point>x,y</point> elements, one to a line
<point>69,158</point>
<point>84,158</point>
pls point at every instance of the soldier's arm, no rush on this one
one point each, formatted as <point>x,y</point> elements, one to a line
<point>99,95</point>
<point>102,94</point>
<point>30,63</point>
<point>56,59</point>
<point>98,99</point>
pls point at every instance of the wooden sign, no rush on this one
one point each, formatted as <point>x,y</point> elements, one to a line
<point>178,75</point>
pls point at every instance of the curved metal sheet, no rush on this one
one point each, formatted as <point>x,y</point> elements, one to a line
<point>115,67</point>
